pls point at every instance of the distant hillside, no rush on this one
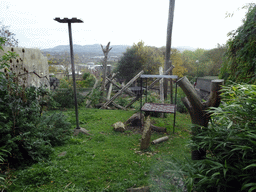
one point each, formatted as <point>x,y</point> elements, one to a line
<point>96,49</point>
<point>92,49</point>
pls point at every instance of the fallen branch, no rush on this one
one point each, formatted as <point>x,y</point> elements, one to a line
<point>158,129</point>
<point>159,140</point>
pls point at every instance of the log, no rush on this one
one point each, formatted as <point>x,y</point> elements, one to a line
<point>159,140</point>
<point>122,90</point>
<point>129,92</point>
<point>157,129</point>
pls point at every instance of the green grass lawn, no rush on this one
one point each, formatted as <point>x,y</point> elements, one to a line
<point>107,160</point>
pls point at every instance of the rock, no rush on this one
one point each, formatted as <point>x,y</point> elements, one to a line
<point>135,120</point>
<point>81,130</point>
<point>146,135</point>
<point>119,126</point>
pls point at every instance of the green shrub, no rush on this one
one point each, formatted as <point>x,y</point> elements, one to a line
<point>180,106</point>
<point>2,160</point>
<point>230,141</point>
<point>63,97</point>
<point>88,80</point>
<point>26,134</point>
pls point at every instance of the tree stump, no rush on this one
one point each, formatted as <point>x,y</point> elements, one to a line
<point>146,135</point>
<point>135,120</point>
<point>198,109</point>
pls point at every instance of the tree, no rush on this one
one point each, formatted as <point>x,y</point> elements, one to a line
<point>240,58</point>
<point>9,36</point>
<point>62,59</point>
<point>139,57</point>
<point>177,61</point>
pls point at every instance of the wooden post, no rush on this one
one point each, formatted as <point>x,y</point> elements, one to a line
<point>161,89</point>
<point>110,89</point>
<point>168,47</point>
<point>161,85</point>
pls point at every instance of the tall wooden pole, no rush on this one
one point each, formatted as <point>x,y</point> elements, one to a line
<point>168,47</point>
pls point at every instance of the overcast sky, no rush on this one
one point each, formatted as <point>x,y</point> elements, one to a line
<point>197,23</point>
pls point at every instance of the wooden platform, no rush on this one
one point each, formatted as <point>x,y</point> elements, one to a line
<point>161,108</point>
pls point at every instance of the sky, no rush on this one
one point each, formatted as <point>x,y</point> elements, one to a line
<point>197,23</point>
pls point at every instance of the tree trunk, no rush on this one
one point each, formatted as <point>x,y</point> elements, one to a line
<point>198,109</point>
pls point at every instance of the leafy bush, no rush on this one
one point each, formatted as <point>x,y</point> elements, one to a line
<point>63,97</point>
<point>26,134</point>
<point>2,177</point>
<point>240,62</point>
<point>180,106</point>
<point>88,80</point>
<point>230,141</point>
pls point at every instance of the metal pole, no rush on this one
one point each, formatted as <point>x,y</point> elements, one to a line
<point>73,72</point>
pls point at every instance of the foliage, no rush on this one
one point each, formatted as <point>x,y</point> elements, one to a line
<point>95,97</point>
<point>2,177</point>
<point>8,36</point>
<point>230,141</point>
<point>180,106</point>
<point>62,59</point>
<point>177,61</point>
<point>88,80</point>
<point>240,63</point>
<point>52,69</point>
<point>202,62</point>
<point>139,57</point>
<point>21,128</point>
<point>65,98</point>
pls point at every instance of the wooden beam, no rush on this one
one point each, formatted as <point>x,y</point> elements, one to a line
<point>129,92</point>
<point>165,73</point>
<point>122,90</point>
